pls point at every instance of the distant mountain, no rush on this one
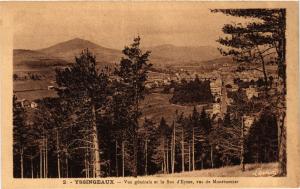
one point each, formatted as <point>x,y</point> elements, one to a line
<point>73,44</point>
<point>63,53</point>
<point>69,49</point>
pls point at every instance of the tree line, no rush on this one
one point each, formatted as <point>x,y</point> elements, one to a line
<point>189,92</point>
<point>59,145</point>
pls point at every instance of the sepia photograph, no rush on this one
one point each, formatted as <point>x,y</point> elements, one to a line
<point>103,90</point>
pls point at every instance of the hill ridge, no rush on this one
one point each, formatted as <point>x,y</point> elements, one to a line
<point>160,54</point>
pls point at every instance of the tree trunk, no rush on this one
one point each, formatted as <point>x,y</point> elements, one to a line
<point>173,149</point>
<point>193,149</point>
<point>31,166</point>
<point>97,165</point>
<point>282,146</point>
<point>67,167</point>
<point>189,156</point>
<point>46,158</point>
<point>135,151</point>
<point>88,167</point>
<point>146,156</point>
<point>41,163</point>
<point>171,153</point>
<point>167,157</point>
<point>58,154</point>
<point>242,147</point>
<point>109,168</point>
<point>263,69</point>
<point>135,146</point>
<point>85,164</point>
<point>264,72</point>
<point>211,156</point>
<point>282,50</point>
<point>164,157</point>
<point>117,168</point>
<point>22,162</point>
<point>123,159</point>
<point>182,150</point>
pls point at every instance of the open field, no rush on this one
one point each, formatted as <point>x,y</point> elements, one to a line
<point>157,105</point>
<point>33,90</point>
<point>252,170</point>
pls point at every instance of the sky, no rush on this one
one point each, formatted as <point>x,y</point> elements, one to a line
<point>114,25</point>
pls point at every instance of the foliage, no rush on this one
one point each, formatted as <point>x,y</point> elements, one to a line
<point>192,92</point>
<point>262,42</point>
<point>132,74</point>
<point>262,140</point>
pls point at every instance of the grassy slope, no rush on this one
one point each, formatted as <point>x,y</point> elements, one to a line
<point>157,105</point>
<point>252,170</point>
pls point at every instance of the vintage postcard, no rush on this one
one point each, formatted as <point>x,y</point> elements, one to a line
<point>149,94</point>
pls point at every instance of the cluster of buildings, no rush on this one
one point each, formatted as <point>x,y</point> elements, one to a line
<point>157,79</point>
<point>221,83</point>
<point>27,104</point>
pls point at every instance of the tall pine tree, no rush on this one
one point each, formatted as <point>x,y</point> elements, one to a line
<point>85,90</point>
<point>132,72</point>
<point>258,42</point>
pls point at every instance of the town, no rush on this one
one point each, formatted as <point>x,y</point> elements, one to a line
<point>224,80</point>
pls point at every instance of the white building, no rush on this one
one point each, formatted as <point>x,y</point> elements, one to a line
<point>33,105</point>
<point>216,108</point>
<point>248,121</point>
<point>50,87</point>
<point>251,92</point>
<point>24,103</point>
<point>216,87</point>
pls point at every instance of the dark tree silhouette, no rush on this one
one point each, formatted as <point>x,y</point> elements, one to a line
<point>85,90</point>
<point>132,71</point>
<point>262,42</point>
